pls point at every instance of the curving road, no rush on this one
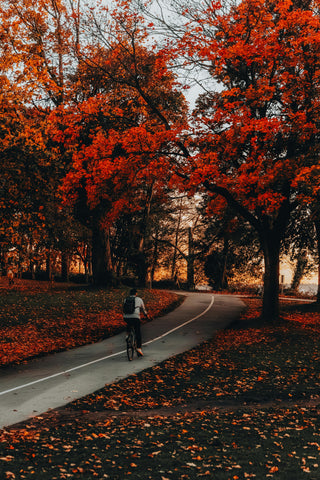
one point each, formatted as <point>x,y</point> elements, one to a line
<point>53,381</point>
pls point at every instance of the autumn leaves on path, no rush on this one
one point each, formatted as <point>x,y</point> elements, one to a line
<point>191,416</point>
<point>59,319</point>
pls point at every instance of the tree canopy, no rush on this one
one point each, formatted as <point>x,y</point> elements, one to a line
<point>91,104</point>
<point>256,129</point>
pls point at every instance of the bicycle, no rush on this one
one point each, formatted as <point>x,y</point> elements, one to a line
<point>131,343</point>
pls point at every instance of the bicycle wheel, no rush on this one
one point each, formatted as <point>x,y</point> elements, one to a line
<point>131,342</point>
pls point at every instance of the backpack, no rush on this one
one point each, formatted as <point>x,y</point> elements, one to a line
<point>129,305</point>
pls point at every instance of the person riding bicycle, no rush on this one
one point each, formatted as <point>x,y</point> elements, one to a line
<point>133,319</point>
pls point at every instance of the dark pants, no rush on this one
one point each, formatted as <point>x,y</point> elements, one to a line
<point>135,323</point>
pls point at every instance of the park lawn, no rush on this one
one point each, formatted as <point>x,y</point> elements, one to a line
<point>243,405</point>
<point>241,364</point>
<point>36,319</point>
<point>229,445</point>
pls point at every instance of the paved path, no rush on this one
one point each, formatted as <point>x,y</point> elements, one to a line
<point>53,381</point>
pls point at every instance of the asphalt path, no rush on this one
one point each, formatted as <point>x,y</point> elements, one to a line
<point>49,382</point>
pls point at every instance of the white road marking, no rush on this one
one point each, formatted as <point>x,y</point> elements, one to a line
<point>108,356</point>
<point>183,324</point>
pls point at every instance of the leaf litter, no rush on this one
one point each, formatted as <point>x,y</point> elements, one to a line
<point>259,387</point>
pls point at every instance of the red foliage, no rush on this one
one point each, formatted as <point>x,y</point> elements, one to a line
<point>303,319</point>
<point>56,333</point>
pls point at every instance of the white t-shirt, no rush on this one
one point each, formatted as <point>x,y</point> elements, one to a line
<point>139,305</point>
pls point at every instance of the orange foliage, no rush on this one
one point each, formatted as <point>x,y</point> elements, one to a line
<point>257,133</point>
<point>118,137</point>
<point>303,319</point>
<point>50,334</point>
<point>235,362</point>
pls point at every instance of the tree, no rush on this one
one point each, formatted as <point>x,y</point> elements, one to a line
<point>38,53</point>
<point>135,244</point>
<point>119,148</point>
<point>300,244</point>
<point>230,247</point>
<point>40,48</point>
<point>72,61</point>
<point>257,127</point>
<point>308,190</point>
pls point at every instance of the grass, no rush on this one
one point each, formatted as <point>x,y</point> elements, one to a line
<point>58,319</point>
<point>242,405</point>
<point>229,445</point>
<point>238,365</point>
<point>18,309</point>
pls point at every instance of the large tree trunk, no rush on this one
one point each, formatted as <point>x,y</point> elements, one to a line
<point>271,230</point>
<point>101,258</point>
<point>142,269</point>
<point>271,250</point>
<point>65,264</point>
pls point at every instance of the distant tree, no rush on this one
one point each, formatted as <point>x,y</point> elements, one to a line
<point>316,220</point>
<point>215,269</point>
<point>38,53</point>
<point>230,247</point>
<point>300,245</point>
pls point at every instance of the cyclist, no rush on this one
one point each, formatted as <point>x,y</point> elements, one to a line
<point>133,319</point>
